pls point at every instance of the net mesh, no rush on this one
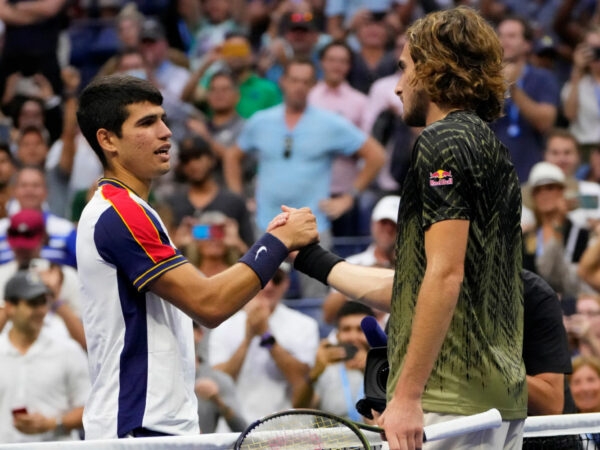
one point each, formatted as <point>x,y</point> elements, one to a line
<point>574,442</point>
<point>564,432</point>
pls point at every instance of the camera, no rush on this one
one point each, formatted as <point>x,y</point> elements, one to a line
<point>596,53</point>
<point>207,231</point>
<point>377,370</point>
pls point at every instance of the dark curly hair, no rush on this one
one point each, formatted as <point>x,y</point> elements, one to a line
<point>458,61</point>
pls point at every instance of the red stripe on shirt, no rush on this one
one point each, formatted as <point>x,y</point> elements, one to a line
<point>135,218</point>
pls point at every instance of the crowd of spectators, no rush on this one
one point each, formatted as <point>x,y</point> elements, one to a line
<point>271,102</point>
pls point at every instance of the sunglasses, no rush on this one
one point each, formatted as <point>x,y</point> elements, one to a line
<point>287,148</point>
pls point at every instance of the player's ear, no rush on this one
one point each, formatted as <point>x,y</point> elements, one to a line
<point>106,139</point>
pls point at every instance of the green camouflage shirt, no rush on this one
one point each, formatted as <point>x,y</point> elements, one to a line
<point>460,170</point>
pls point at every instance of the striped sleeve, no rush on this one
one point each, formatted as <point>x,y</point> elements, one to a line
<point>132,239</point>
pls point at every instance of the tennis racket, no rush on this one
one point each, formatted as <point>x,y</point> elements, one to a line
<point>308,429</point>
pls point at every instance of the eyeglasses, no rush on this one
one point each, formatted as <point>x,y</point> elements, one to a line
<point>287,149</point>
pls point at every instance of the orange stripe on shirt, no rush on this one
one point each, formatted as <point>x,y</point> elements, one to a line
<point>136,219</point>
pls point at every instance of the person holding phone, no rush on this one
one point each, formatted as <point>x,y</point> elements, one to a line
<point>579,95</point>
<point>336,379</point>
<point>44,379</point>
<point>211,242</point>
<point>553,245</point>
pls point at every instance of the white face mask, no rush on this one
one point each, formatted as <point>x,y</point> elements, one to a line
<point>138,73</point>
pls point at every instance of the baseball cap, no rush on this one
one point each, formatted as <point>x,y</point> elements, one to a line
<point>545,46</point>
<point>27,229</point>
<point>386,208</point>
<point>298,21</point>
<point>545,173</point>
<point>25,285</point>
<point>152,30</point>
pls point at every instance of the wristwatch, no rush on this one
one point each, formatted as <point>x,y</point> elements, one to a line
<point>267,340</point>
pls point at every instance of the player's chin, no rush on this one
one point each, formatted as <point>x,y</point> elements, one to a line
<point>163,169</point>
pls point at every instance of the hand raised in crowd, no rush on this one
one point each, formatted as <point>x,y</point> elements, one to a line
<point>52,276</point>
<point>257,321</point>
<point>337,206</point>
<point>511,72</point>
<point>71,78</point>
<point>582,56</point>
<point>45,90</point>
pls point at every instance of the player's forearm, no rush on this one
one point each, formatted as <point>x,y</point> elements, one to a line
<point>369,285</point>
<point>435,306</point>
<point>545,394</point>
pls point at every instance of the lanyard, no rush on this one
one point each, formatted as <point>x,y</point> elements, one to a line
<point>350,402</point>
<point>514,129</point>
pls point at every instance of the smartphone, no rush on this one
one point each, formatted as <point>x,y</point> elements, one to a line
<point>596,53</point>
<point>17,411</point>
<point>350,350</point>
<point>588,201</point>
<point>206,231</point>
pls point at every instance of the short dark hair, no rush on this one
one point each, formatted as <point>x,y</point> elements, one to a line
<point>193,147</point>
<point>352,309</point>
<point>336,43</point>
<point>563,133</point>
<point>223,73</point>
<point>103,104</point>
<point>299,61</point>
<point>40,131</point>
<point>528,32</point>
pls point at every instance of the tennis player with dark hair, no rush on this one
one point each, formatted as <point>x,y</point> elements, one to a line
<point>456,325</point>
<point>139,293</point>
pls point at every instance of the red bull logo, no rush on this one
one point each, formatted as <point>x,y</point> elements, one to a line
<point>440,178</point>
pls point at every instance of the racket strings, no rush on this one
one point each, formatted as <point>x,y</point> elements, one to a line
<point>302,432</point>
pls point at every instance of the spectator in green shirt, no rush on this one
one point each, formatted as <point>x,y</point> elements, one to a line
<point>235,55</point>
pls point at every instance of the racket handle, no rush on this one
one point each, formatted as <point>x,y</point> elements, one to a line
<point>463,425</point>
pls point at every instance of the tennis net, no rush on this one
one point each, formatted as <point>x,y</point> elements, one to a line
<point>562,432</point>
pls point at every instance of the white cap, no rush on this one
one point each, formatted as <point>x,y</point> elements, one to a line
<point>544,173</point>
<point>386,208</point>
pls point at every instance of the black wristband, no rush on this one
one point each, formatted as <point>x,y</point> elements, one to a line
<point>316,262</point>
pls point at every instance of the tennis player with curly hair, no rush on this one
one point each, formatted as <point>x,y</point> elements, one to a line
<point>456,325</point>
